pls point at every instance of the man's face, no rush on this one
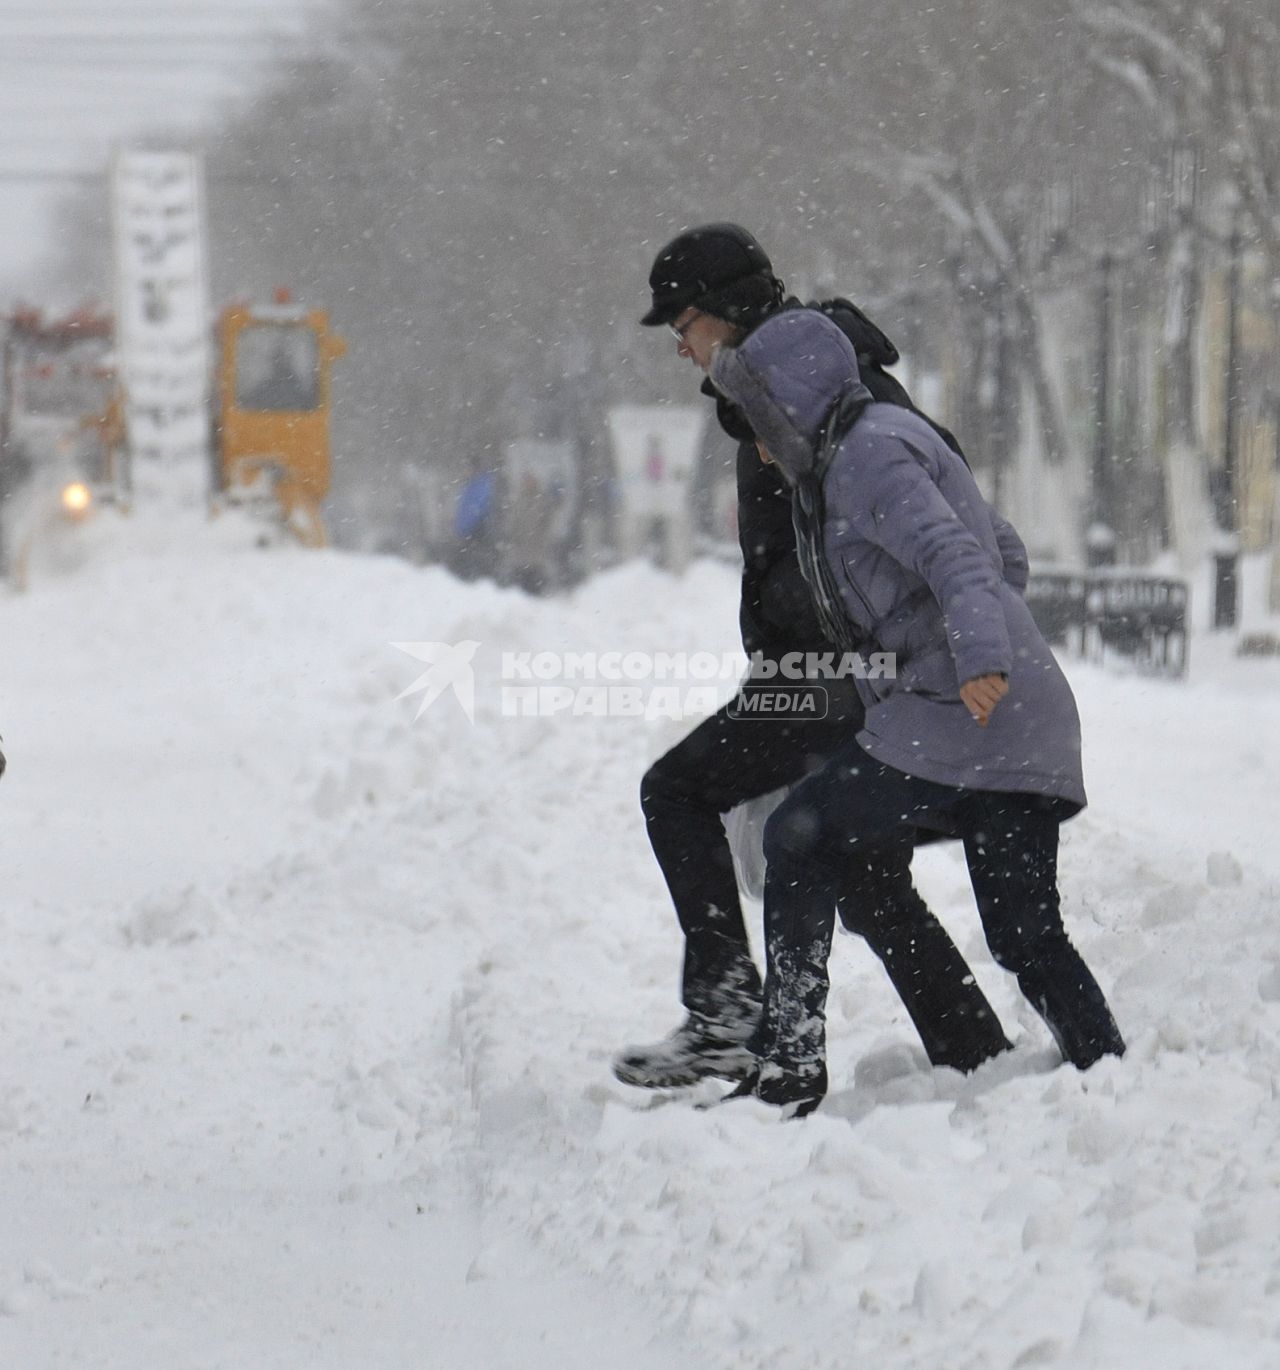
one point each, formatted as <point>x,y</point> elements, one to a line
<point>698,335</point>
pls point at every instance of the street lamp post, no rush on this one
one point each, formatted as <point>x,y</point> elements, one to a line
<point>1100,538</point>
<point>1226,587</point>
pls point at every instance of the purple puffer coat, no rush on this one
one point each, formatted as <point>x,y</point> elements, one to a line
<point>925,568</point>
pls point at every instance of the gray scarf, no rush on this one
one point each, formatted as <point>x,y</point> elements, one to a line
<point>808,517</point>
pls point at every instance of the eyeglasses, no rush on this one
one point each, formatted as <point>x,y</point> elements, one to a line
<point>679,331</point>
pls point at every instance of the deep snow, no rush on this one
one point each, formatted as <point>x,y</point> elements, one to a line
<point>306,1010</point>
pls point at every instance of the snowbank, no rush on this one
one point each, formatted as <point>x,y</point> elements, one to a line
<point>306,1010</point>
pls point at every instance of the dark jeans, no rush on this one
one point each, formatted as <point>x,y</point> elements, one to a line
<point>725,762</point>
<point>819,839</point>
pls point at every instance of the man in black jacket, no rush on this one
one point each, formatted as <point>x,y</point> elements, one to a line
<point>711,286</point>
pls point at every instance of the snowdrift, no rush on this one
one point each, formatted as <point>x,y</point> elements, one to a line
<point>307,1004</point>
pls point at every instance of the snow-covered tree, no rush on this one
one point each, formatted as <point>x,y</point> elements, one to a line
<point>1205,76</point>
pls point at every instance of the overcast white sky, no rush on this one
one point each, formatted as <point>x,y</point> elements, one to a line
<point>79,76</point>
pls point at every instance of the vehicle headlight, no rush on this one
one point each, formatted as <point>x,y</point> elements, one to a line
<point>76,498</point>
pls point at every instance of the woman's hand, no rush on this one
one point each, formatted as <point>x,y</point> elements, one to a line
<point>981,695</point>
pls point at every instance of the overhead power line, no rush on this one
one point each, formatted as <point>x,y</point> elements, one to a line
<point>129,63</point>
<point>43,42</point>
<point>47,174</point>
<point>260,178</point>
<point>29,13</point>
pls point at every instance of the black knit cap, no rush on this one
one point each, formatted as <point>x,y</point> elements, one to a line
<point>711,266</point>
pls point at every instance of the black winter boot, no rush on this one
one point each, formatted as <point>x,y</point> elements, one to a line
<point>791,1042</point>
<point>1074,1009</point>
<point>721,991</point>
<point>797,1091</point>
<point>700,1048</point>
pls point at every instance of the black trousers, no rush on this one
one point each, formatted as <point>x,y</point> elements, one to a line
<point>816,844</point>
<point>725,762</point>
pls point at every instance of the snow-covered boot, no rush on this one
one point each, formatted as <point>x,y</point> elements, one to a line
<point>791,1042</point>
<point>721,991</point>
<point>701,1047</point>
<point>796,1090</point>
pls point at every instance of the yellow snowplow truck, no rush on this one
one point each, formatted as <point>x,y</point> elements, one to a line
<point>272,401</point>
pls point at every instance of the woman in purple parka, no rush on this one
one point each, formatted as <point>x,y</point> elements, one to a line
<point>975,734</point>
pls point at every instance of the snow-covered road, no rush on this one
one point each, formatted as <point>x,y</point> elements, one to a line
<point>306,1010</point>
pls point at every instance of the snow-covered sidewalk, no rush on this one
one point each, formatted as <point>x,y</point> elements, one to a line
<point>306,1010</point>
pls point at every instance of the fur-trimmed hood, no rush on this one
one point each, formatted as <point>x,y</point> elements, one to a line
<point>786,377</point>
